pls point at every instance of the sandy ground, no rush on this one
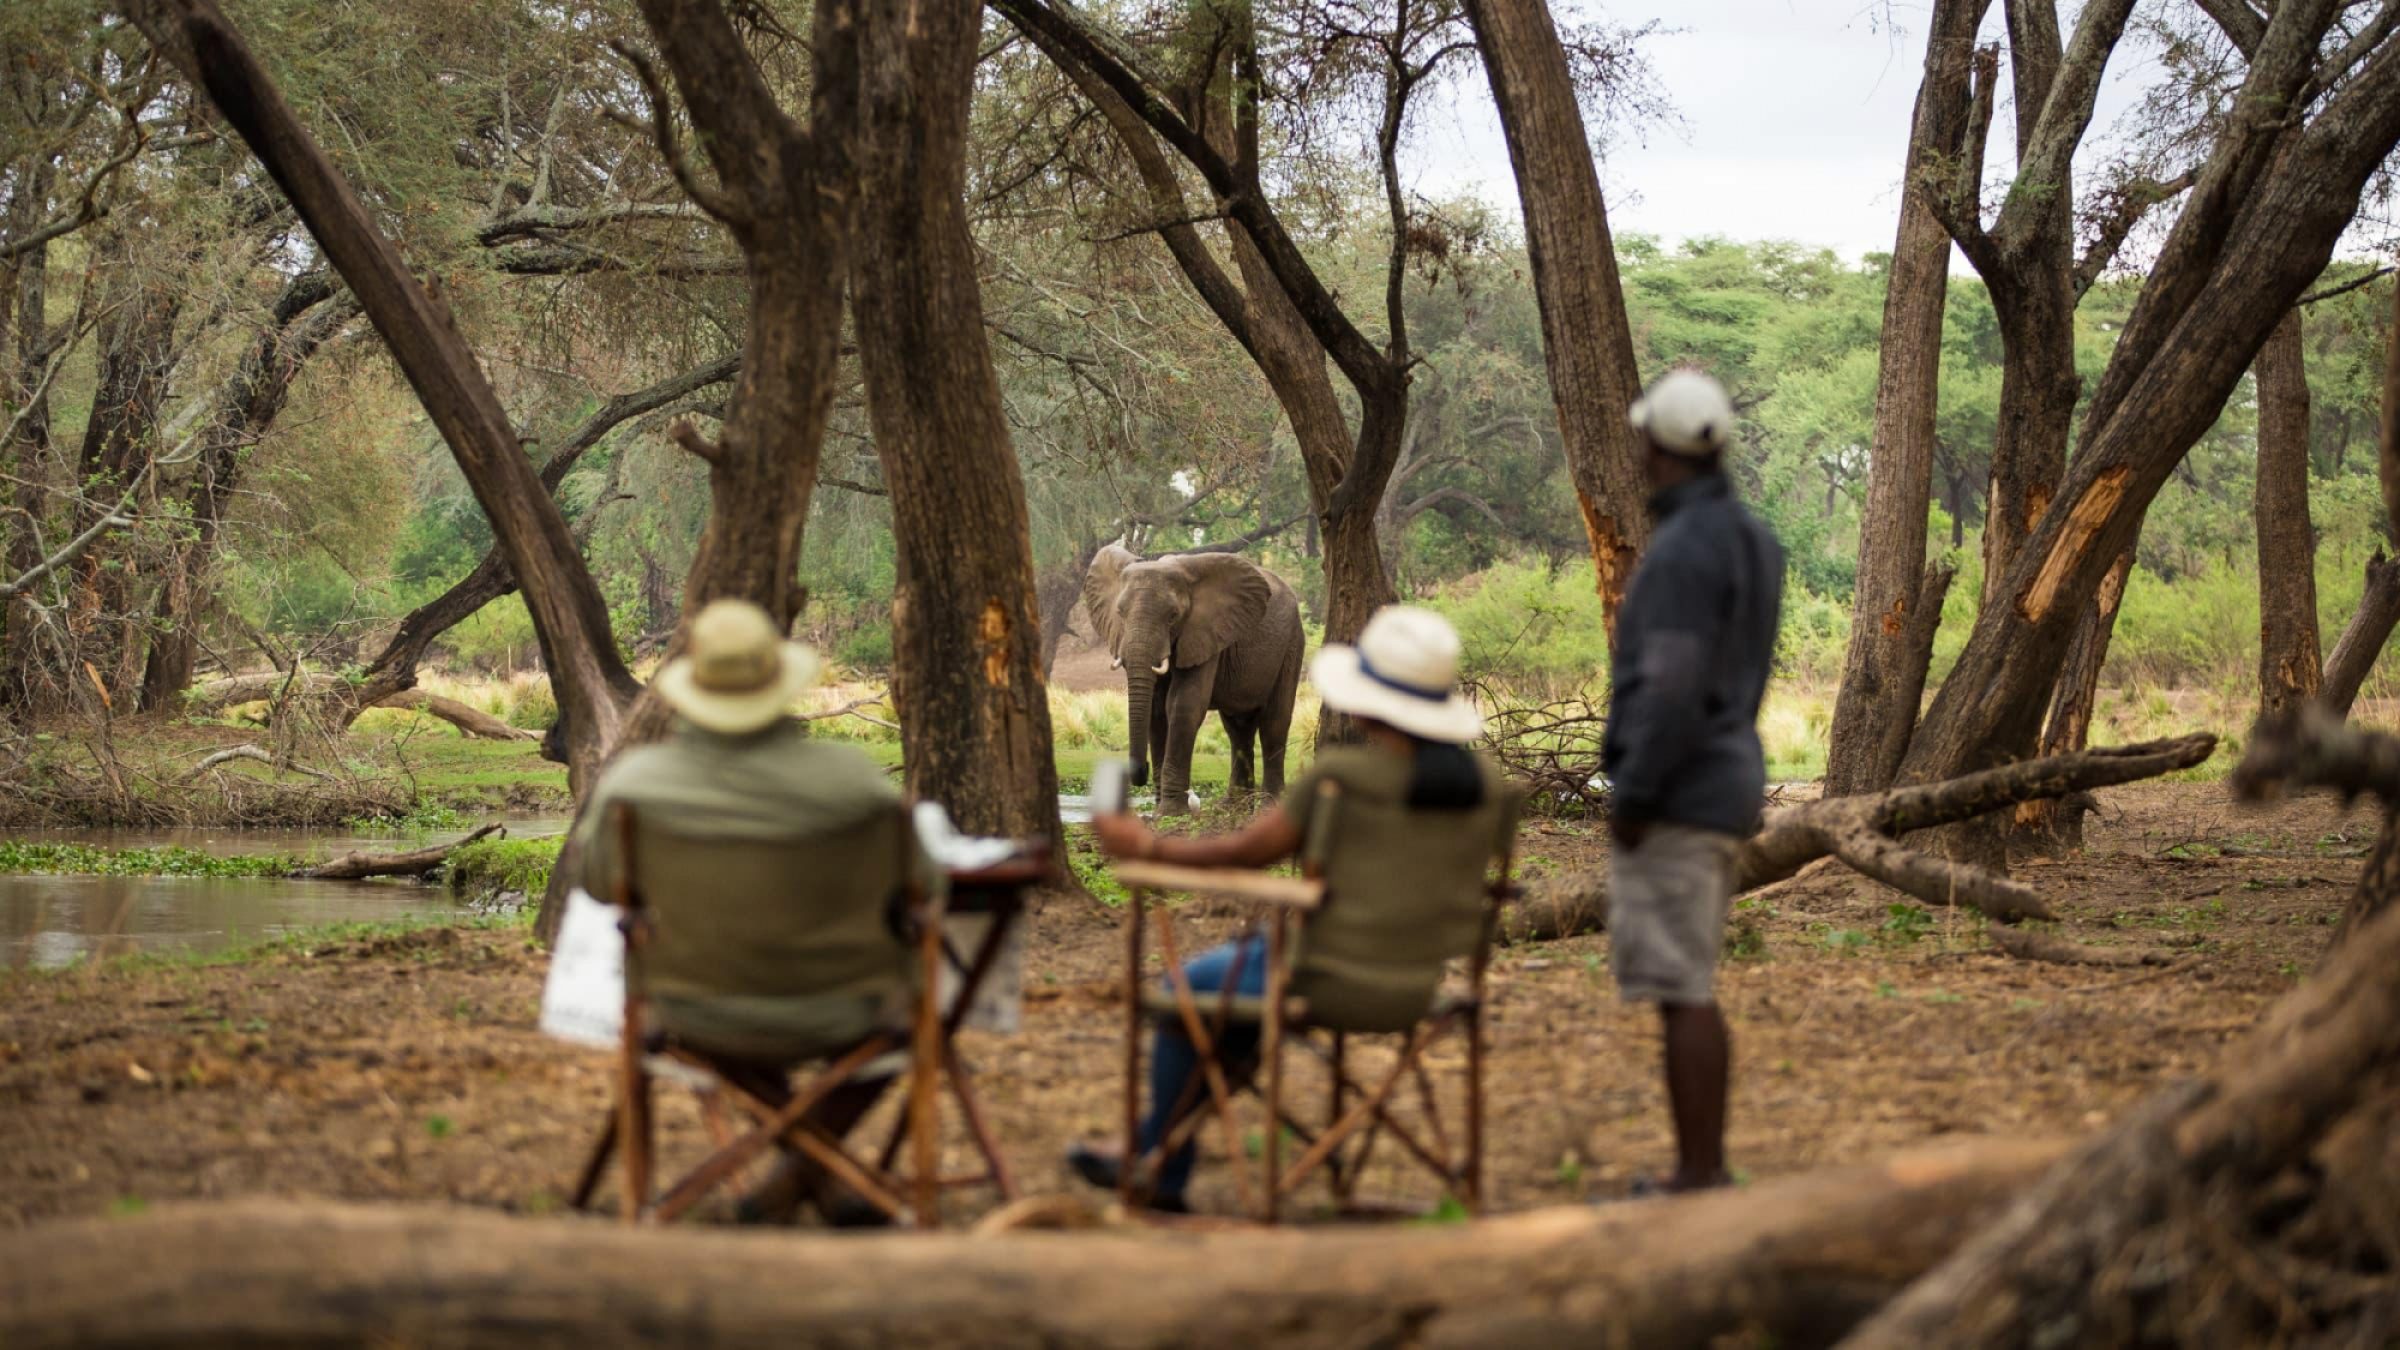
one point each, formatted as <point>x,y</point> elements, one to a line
<point>408,1067</point>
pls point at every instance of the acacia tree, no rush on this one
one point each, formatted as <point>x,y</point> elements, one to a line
<point>2317,111</point>
<point>570,620</point>
<point>1898,600</point>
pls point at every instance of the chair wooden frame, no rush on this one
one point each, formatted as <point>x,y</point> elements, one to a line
<point>1284,1018</point>
<point>911,1197</point>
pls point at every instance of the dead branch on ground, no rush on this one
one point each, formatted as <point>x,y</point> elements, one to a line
<point>1862,831</point>
<point>359,865</point>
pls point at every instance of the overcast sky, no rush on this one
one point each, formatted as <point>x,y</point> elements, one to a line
<point>1794,117</point>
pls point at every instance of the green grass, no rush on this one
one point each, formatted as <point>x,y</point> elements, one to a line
<point>490,866</point>
<point>90,860</point>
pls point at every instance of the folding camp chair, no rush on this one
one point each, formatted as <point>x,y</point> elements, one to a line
<point>827,959</point>
<point>1386,905</point>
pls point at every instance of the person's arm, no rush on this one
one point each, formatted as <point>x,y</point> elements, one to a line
<point>1664,722</point>
<point>1270,837</point>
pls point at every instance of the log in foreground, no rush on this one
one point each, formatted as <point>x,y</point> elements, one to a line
<point>1861,832</point>
<point>1801,1258</point>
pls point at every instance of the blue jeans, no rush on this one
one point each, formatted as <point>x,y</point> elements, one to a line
<point>1175,1063</point>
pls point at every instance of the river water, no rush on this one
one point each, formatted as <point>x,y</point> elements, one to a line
<point>48,921</point>
<point>58,920</point>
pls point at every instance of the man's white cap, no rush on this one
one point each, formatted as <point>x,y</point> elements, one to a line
<point>1685,413</point>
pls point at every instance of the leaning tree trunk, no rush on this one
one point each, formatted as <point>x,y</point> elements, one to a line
<point>966,636</point>
<point>1789,1262</point>
<point>1587,342</point>
<point>2290,665</point>
<point>2361,643</point>
<point>2250,1207</point>
<point>2265,216</point>
<point>570,620</point>
<point>1898,600</point>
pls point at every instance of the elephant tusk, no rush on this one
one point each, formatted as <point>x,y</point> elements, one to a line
<point>1116,663</point>
<point>1160,668</point>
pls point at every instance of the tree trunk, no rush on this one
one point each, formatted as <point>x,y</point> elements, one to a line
<point>570,620</point>
<point>966,634</point>
<point>1883,676</point>
<point>1056,595</point>
<point>1586,340</point>
<point>2361,643</point>
<point>242,411</point>
<point>2290,665</point>
<point>1860,830</point>
<point>2260,227</point>
<point>27,454</point>
<point>2051,827</point>
<point>1791,1262</point>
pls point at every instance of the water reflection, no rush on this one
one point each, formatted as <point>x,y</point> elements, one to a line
<point>53,921</point>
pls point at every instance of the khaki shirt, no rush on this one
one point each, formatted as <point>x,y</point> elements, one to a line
<point>779,783</point>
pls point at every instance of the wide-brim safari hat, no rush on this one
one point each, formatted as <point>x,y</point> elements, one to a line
<point>1403,673</point>
<point>739,674</point>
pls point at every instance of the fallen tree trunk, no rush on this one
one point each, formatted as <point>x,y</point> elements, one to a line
<point>2238,1209</point>
<point>2362,639</point>
<point>2028,945</point>
<point>1861,832</point>
<point>218,695</point>
<point>358,866</point>
<point>1798,1260</point>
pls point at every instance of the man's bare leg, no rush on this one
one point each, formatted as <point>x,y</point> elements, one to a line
<point>1699,1054</point>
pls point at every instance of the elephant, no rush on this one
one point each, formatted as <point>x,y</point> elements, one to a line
<point>1196,632</point>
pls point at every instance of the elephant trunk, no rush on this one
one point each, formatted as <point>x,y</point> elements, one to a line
<point>1140,686</point>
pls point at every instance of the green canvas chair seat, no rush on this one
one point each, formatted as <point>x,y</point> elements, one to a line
<point>1405,895</point>
<point>1160,1003</point>
<point>791,950</point>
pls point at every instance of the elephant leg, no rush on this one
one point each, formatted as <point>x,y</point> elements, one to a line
<point>1241,729</point>
<point>1275,723</point>
<point>1187,708</point>
<point>1159,718</point>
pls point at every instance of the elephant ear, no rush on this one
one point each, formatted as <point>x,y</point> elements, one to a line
<point>1103,581</point>
<point>1229,599</point>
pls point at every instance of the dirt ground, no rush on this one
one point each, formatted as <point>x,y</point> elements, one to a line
<point>408,1067</point>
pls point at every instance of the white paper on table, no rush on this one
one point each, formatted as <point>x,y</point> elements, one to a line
<point>584,999</point>
<point>954,851</point>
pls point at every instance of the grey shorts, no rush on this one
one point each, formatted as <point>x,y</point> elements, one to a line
<point>1666,914</point>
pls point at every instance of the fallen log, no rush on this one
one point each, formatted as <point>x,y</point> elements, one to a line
<point>358,866</point>
<point>2211,1215</point>
<point>1861,832</point>
<point>1798,1260</point>
<point>216,697</point>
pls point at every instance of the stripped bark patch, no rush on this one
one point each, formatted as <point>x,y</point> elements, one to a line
<point>993,630</point>
<point>1895,619</point>
<point>1612,556</point>
<point>2091,511</point>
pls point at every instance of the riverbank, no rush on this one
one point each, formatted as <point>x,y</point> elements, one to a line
<point>403,1064</point>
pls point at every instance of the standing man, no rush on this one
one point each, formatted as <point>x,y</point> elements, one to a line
<point>1688,776</point>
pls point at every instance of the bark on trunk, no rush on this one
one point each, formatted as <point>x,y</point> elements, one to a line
<point>1793,1262</point>
<point>28,452</point>
<point>2290,663</point>
<point>2361,643</point>
<point>1860,830</point>
<point>1587,343</point>
<point>1897,600</point>
<point>2051,827</point>
<point>570,620</point>
<point>966,635</point>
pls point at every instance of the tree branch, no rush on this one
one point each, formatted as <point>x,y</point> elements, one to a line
<point>670,141</point>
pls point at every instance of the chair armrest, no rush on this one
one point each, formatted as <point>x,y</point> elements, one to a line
<point>1263,887</point>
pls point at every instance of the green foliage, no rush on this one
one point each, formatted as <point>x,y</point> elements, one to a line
<point>171,861</point>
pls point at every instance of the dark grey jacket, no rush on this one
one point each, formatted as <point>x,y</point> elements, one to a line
<point>1695,643</point>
